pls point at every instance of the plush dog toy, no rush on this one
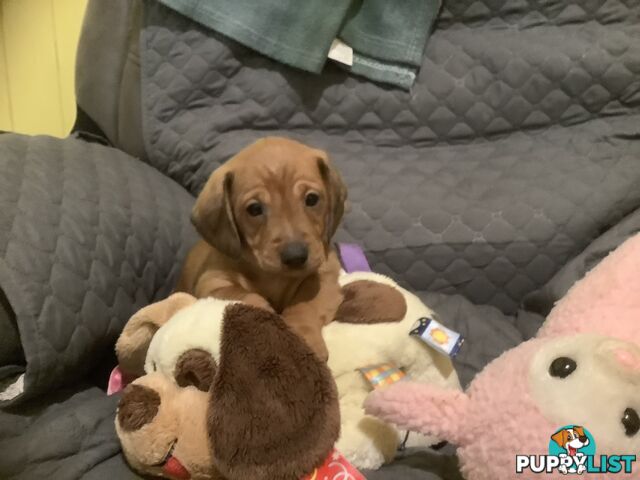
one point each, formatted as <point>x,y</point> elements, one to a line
<point>371,328</point>
<point>241,397</point>
<point>571,391</point>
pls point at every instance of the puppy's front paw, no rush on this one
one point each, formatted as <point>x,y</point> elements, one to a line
<point>258,301</point>
<point>314,340</point>
<point>320,349</point>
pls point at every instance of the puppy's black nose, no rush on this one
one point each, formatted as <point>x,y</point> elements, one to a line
<point>294,254</point>
<point>583,439</point>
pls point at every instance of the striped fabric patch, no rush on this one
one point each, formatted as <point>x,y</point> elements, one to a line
<point>382,375</point>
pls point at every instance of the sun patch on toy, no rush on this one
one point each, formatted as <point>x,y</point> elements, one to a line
<point>439,336</point>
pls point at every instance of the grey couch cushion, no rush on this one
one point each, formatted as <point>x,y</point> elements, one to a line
<point>10,348</point>
<point>515,148</point>
<point>64,438</point>
<point>543,300</point>
<point>87,236</point>
<point>108,72</point>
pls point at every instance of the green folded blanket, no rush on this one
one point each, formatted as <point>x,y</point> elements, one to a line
<point>387,37</point>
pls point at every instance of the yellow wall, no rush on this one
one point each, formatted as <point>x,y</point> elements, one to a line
<point>38,41</point>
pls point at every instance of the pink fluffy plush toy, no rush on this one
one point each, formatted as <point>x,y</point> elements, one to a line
<point>564,402</point>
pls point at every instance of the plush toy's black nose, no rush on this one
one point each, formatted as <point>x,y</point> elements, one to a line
<point>294,254</point>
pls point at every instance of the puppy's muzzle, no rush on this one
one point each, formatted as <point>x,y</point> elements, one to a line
<point>294,254</point>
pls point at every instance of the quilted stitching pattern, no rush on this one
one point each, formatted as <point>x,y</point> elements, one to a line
<point>513,150</point>
<point>65,438</point>
<point>87,236</point>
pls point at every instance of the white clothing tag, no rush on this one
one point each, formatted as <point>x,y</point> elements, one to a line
<point>341,52</point>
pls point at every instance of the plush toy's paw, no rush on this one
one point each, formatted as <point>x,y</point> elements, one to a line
<point>273,409</point>
<point>422,408</point>
<point>367,442</point>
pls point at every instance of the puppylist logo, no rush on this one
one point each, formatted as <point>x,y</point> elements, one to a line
<point>572,450</point>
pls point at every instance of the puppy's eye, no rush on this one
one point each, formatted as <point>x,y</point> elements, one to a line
<point>562,367</point>
<point>311,199</point>
<point>255,209</point>
<point>630,422</point>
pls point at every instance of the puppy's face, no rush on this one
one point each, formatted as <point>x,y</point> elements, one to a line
<point>276,204</point>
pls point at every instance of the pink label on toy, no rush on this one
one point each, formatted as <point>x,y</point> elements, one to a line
<point>335,467</point>
<point>118,380</point>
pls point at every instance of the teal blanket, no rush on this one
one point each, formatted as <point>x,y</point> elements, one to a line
<point>387,37</point>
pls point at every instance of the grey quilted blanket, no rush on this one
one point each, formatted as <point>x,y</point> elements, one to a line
<point>517,145</point>
<point>88,236</point>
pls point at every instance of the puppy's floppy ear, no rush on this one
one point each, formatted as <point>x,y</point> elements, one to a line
<point>579,430</point>
<point>212,214</point>
<point>336,193</point>
<point>273,411</point>
<point>560,438</point>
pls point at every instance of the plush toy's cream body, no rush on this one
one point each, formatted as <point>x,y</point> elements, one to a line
<point>365,441</point>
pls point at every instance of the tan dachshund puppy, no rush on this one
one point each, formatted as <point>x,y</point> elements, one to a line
<point>267,217</point>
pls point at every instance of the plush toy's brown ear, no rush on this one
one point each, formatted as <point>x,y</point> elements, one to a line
<point>133,343</point>
<point>366,301</point>
<point>273,411</point>
<point>195,367</point>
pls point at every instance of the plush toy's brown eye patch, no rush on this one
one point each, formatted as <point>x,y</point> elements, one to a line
<point>366,301</point>
<point>138,406</point>
<point>195,367</point>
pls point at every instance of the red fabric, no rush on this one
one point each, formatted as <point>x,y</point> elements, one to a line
<point>174,469</point>
<point>335,467</point>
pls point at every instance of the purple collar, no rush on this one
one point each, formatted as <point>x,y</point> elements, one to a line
<point>353,258</point>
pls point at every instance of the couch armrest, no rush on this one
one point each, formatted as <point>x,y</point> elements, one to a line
<point>88,235</point>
